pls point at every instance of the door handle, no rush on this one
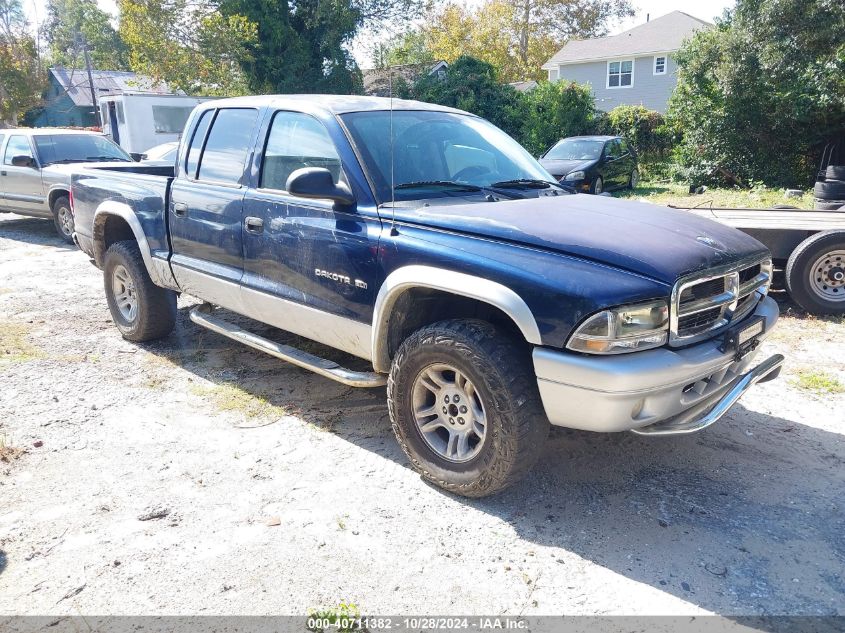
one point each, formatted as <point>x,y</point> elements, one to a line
<point>180,209</point>
<point>254,225</point>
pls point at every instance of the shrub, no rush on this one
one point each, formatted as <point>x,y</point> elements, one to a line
<point>645,129</point>
<point>553,111</point>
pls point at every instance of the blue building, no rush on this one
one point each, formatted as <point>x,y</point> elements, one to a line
<point>68,101</point>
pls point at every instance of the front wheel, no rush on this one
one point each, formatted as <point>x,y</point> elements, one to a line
<point>141,310</point>
<point>63,219</point>
<point>465,408</point>
<point>815,273</point>
<point>634,179</point>
<point>598,186</point>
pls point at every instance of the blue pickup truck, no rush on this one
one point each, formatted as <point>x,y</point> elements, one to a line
<point>489,299</point>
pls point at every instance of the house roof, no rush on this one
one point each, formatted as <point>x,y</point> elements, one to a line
<point>524,86</point>
<point>377,80</point>
<point>661,35</point>
<point>75,83</point>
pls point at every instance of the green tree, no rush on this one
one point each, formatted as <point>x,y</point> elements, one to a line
<point>21,79</point>
<point>473,85</point>
<point>760,95</point>
<point>301,46</point>
<point>69,21</point>
<point>192,46</point>
<point>555,110</point>
<point>409,48</point>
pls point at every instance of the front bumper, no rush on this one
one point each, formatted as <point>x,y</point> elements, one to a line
<point>656,392</point>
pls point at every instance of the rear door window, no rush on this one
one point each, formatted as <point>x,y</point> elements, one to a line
<point>227,146</point>
<point>194,151</point>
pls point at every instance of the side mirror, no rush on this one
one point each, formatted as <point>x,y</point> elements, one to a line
<point>24,161</point>
<point>318,182</point>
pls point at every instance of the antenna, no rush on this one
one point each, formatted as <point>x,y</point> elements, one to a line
<point>393,231</point>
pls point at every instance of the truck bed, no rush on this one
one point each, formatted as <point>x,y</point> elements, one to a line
<point>143,189</point>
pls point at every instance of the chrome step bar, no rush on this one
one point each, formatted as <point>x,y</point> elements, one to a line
<point>203,315</point>
<point>695,418</point>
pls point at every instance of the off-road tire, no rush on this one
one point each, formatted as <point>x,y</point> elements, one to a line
<point>595,187</point>
<point>156,312</point>
<point>504,379</point>
<point>835,172</point>
<point>798,269</point>
<point>830,190</point>
<point>61,206</point>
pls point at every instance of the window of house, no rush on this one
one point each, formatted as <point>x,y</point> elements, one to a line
<point>660,65</point>
<point>296,141</point>
<point>227,146</point>
<point>620,74</point>
<point>17,146</point>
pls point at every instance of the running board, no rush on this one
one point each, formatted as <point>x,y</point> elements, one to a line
<point>203,315</point>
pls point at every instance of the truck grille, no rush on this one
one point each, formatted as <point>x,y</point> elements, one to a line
<point>704,304</point>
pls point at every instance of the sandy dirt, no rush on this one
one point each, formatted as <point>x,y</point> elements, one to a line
<point>195,476</point>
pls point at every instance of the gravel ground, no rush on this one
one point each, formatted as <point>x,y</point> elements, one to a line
<point>195,476</point>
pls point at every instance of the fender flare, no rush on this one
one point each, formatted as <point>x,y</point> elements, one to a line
<point>63,187</point>
<point>158,270</point>
<point>418,276</point>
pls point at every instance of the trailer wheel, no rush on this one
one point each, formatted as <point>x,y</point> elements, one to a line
<point>815,273</point>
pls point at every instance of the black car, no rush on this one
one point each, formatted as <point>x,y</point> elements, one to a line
<point>593,163</point>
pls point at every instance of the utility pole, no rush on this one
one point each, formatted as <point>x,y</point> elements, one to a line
<point>91,80</point>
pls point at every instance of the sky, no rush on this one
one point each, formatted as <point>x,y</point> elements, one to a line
<point>703,9</point>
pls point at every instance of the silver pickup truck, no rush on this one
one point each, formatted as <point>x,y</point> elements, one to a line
<point>36,166</point>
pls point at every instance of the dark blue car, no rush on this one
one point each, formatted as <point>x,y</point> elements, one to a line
<point>423,240</point>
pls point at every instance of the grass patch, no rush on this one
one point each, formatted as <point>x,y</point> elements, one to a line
<point>678,195</point>
<point>7,452</point>
<point>231,398</point>
<point>818,382</point>
<point>342,619</point>
<point>14,346</point>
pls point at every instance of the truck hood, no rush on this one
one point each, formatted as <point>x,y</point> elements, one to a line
<point>660,243</point>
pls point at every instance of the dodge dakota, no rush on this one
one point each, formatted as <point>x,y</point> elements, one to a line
<point>489,299</point>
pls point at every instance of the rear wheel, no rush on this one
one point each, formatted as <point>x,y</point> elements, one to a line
<point>63,218</point>
<point>598,186</point>
<point>815,273</point>
<point>465,407</point>
<point>141,310</point>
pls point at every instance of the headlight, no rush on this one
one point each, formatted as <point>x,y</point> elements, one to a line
<point>625,329</point>
<point>575,175</point>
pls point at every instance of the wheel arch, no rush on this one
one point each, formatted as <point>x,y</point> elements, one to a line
<point>116,222</point>
<point>405,284</point>
<point>56,193</point>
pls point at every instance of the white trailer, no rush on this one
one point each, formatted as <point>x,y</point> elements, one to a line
<point>138,121</point>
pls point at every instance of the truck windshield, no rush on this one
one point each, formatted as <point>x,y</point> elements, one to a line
<point>437,154</point>
<point>77,148</point>
<point>575,149</point>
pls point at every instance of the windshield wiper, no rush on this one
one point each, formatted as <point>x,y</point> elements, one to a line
<point>462,186</point>
<point>527,183</point>
<point>109,158</point>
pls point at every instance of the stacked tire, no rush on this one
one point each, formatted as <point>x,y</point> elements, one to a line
<point>830,193</point>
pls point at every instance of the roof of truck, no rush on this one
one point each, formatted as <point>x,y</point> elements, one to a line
<point>336,104</point>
